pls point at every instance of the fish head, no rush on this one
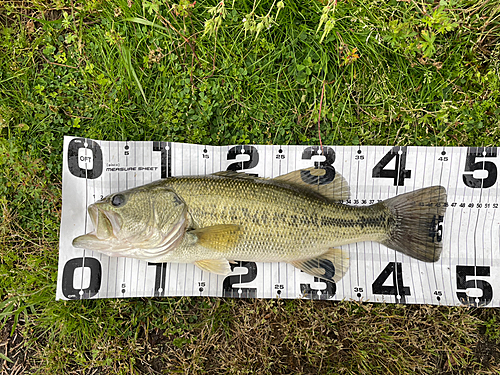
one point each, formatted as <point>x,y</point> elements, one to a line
<point>143,223</point>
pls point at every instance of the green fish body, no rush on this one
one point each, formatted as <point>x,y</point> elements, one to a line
<point>216,219</point>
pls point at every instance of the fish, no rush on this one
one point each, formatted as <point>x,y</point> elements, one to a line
<point>298,218</point>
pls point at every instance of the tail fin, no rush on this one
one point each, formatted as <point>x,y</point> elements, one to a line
<point>418,229</point>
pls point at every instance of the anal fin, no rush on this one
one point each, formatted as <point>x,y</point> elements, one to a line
<point>330,266</point>
<point>218,266</point>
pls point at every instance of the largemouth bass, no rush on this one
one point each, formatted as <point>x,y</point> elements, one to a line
<point>296,218</point>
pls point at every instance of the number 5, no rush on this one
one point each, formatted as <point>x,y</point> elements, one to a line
<point>471,166</point>
<point>463,283</point>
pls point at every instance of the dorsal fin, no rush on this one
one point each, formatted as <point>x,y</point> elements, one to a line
<point>314,179</point>
<point>238,175</point>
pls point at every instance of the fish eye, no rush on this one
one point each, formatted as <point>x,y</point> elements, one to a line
<point>118,200</point>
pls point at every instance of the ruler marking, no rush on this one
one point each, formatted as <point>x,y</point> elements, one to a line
<point>453,224</point>
<point>442,288</point>
<point>477,208</point>
<point>460,226</point>
<point>411,260</point>
<point>491,227</point>
<point>86,221</point>
<point>451,159</point>
<point>356,244</point>
<point>108,176</point>
<point>343,174</point>
<point>433,269</point>
<point>365,283</point>
<point>400,297</point>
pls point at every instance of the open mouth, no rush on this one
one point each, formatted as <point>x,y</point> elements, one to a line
<point>105,222</point>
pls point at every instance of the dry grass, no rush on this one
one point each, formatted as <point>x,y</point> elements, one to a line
<point>213,336</point>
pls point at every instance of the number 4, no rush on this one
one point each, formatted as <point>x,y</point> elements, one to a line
<point>399,173</point>
<point>397,288</point>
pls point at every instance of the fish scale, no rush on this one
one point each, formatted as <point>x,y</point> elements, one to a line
<point>278,222</point>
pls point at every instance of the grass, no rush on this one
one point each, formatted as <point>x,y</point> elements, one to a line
<point>397,72</point>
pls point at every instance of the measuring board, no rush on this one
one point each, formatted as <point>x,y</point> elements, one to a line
<point>467,273</point>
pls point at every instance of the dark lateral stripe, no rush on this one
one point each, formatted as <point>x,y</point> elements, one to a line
<point>362,222</point>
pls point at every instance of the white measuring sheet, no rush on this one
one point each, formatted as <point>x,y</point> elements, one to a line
<point>468,271</point>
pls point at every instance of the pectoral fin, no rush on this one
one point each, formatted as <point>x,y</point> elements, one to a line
<point>218,266</point>
<point>221,238</point>
<point>330,266</point>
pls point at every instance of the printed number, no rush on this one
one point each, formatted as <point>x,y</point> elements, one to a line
<point>329,175</point>
<point>484,286</point>
<point>438,294</point>
<point>359,291</point>
<point>166,157</point>
<point>312,293</point>
<point>70,267</point>
<point>397,288</point>
<point>240,165</point>
<point>201,285</point>
<point>160,278</point>
<point>443,158</point>
<point>227,286</point>
<point>77,159</point>
<point>279,288</point>
<point>471,165</point>
<point>399,173</point>
<point>436,228</point>
<point>359,157</point>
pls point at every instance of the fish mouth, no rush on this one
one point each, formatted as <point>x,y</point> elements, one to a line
<point>103,237</point>
<point>106,223</point>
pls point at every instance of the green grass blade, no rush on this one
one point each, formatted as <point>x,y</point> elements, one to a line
<point>145,22</point>
<point>5,358</point>
<point>130,69</point>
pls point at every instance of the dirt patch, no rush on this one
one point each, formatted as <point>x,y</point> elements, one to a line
<point>14,346</point>
<point>487,353</point>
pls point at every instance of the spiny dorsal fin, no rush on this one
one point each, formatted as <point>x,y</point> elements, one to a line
<point>238,175</point>
<point>221,238</point>
<point>311,178</point>
<point>218,266</point>
<point>330,266</point>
